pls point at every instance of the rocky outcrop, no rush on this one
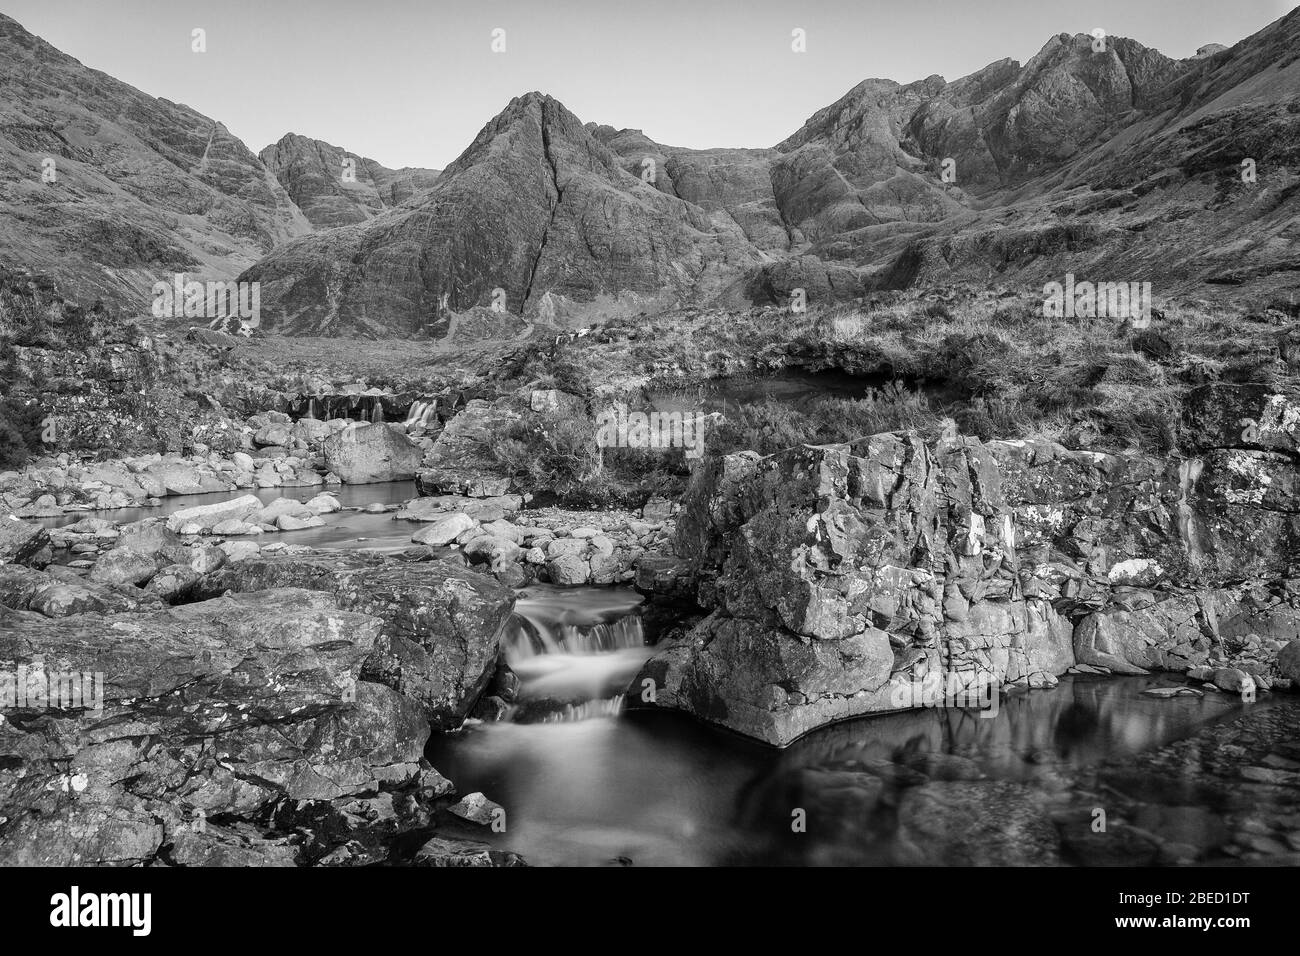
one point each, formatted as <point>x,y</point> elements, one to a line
<point>189,725</point>
<point>371,453</point>
<point>440,629</point>
<point>334,187</point>
<point>978,564</point>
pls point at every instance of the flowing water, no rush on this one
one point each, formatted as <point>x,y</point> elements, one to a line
<point>594,785</point>
<point>586,780</point>
<point>574,650</point>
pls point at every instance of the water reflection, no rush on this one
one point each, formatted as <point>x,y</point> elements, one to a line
<point>343,529</point>
<point>941,786</point>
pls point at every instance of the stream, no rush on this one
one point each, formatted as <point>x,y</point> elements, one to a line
<point>597,784</point>
<point>589,778</point>
<point>343,529</point>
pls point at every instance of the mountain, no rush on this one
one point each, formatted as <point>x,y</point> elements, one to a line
<point>536,207</point>
<point>334,187</point>
<point>1113,162</point>
<point>142,187</point>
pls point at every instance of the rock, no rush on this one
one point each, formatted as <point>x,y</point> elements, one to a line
<point>284,506</point>
<point>26,589</point>
<point>173,582</point>
<point>766,683</point>
<point>239,550</point>
<point>476,808</point>
<point>483,509</point>
<point>207,558</point>
<point>444,530</point>
<point>310,431</point>
<point>1233,680</point>
<point>185,478</point>
<point>273,435</point>
<point>21,541</point>
<point>1166,692</point>
<point>207,516</point>
<point>152,537</point>
<point>461,461</point>
<point>433,784</point>
<point>236,705</point>
<point>372,453</point>
<point>1288,662</point>
<point>504,529</point>
<point>309,171</point>
<point>123,566</point>
<point>243,461</point>
<point>441,621</point>
<point>443,852</point>
<point>568,569</point>
<point>324,504</point>
<point>291,523</point>
<point>233,527</point>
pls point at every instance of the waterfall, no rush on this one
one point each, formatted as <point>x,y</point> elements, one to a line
<point>574,651</point>
<point>422,414</point>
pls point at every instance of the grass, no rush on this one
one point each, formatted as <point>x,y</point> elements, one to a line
<point>992,363</point>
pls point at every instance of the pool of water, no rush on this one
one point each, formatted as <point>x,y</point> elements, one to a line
<point>941,786</point>
<point>343,529</point>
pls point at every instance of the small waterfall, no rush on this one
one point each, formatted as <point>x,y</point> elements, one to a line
<point>423,414</point>
<point>574,651</point>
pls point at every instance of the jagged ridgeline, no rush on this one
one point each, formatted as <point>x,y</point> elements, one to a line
<point>1139,166</point>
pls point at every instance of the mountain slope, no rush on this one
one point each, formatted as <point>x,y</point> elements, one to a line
<point>537,207</point>
<point>142,188</point>
<point>334,187</point>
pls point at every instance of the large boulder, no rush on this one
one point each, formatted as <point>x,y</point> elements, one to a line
<point>224,709</point>
<point>152,537</point>
<point>209,516</point>
<point>372,453</point>
<point>444,530</point>
<point>185,478</point>
<point>461,460</point>
<point>769,683</point>
<point>26,589</point>
<point>441,621</point>
<point>21,541</point>
<point>123,566</point>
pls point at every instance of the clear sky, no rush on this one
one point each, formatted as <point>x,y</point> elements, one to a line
<point>410,82</point>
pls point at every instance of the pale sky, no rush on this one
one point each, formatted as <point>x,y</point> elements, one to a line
<point>410,82</point>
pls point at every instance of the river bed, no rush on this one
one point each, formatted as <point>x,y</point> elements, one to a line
<point>941,786</point>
